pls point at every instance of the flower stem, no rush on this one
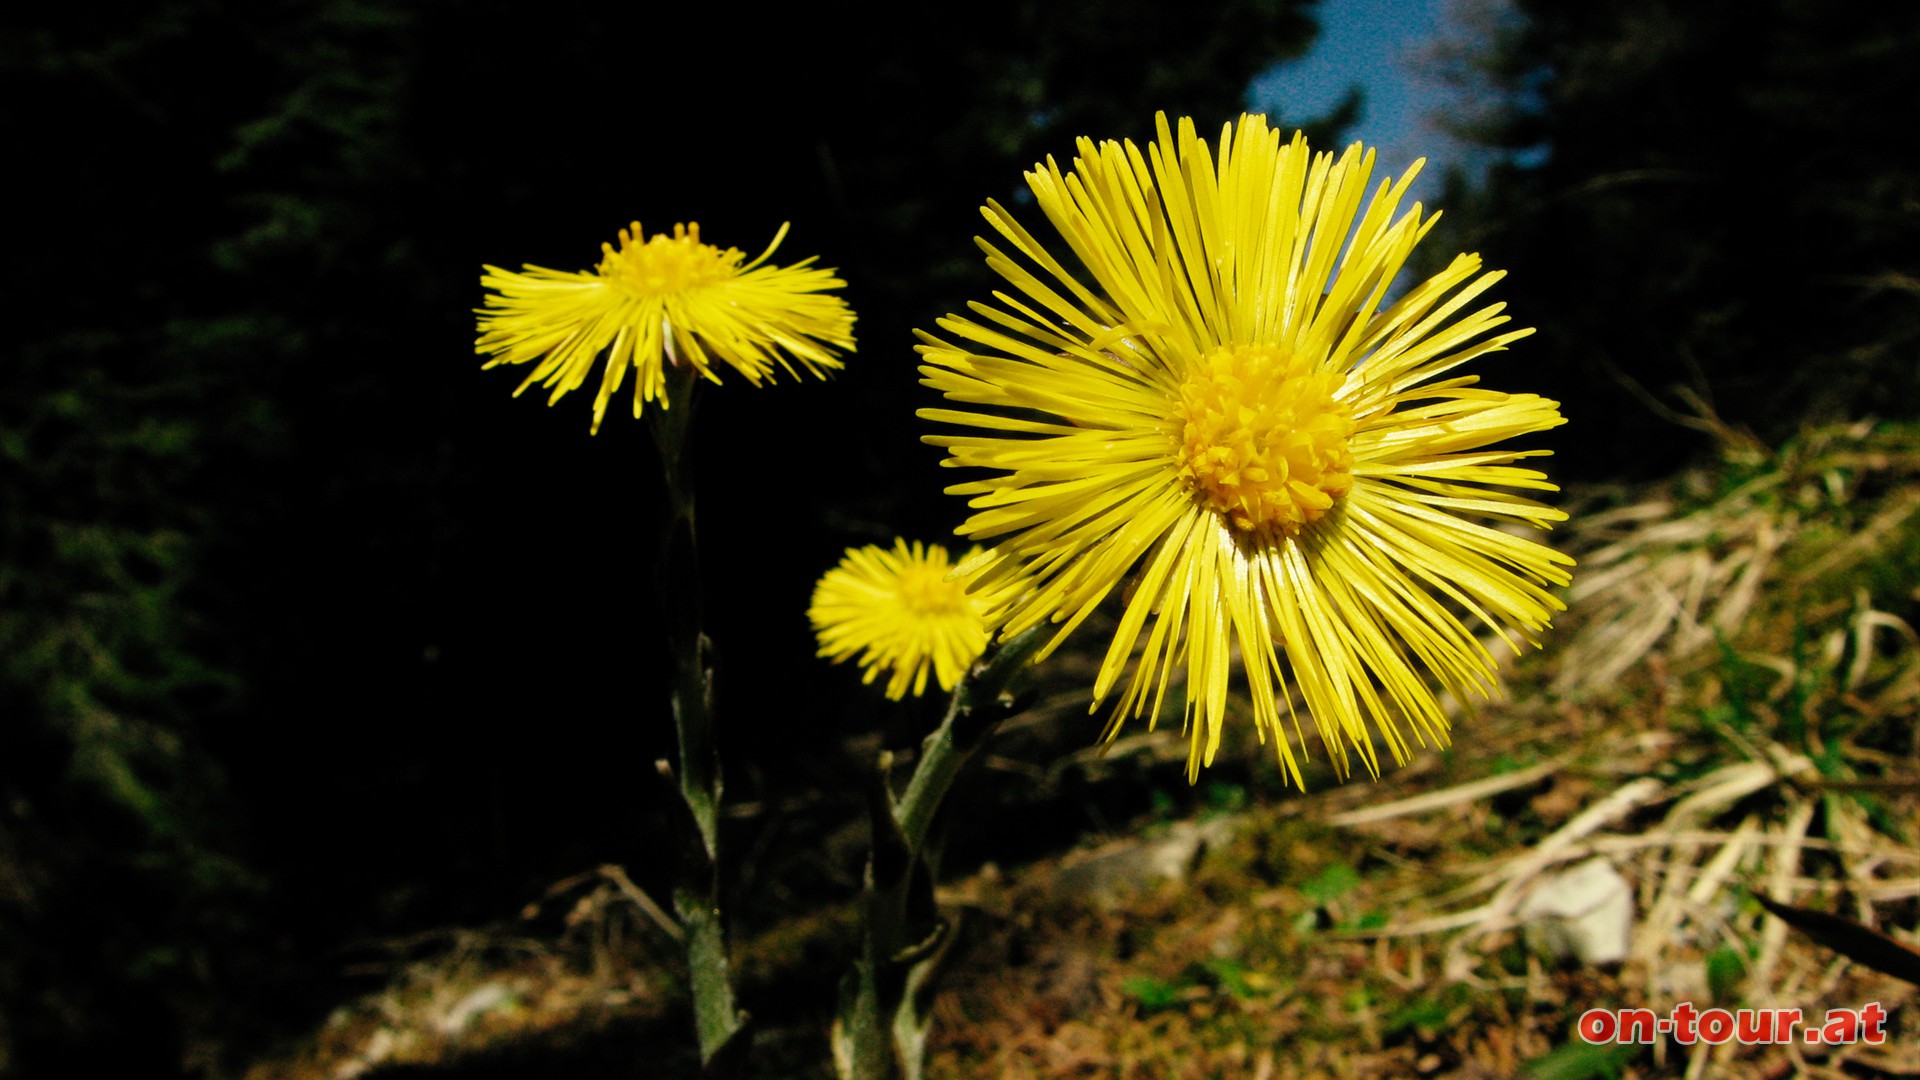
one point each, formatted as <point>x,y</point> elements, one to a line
<point>880,1033</point>
<point>975,710</point>
<point>718,1023</point>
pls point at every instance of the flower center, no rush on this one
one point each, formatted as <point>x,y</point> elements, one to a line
<point>926,592</point>
<point>1264,442</point>
<point>665,265</point>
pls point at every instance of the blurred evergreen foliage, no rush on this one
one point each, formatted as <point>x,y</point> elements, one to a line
<point>1702,204</point>
<point>295,640</point>
<point>195,190</point>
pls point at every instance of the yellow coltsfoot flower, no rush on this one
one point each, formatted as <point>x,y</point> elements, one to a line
<point>659,300</point>
<point>905,612</point>
<point>1218,407</point>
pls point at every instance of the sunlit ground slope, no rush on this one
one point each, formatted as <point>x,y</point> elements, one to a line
<point>1728,710</point>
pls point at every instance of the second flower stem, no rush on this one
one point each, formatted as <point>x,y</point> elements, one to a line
<point>718,1022</point>
<point>880,1033</point>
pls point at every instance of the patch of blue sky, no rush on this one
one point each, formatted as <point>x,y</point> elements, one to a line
<point>1372,45</point>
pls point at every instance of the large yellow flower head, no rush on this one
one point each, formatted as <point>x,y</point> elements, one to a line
<point>1218,407</point>
<point>904,612</point>
<point>659,300</point>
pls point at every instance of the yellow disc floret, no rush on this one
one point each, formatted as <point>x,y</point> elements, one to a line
<point>928,590</point>
<point>666,265</point>
<point>1263,441</point>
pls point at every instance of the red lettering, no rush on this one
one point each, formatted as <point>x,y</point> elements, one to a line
<point>1784,1021</point>
<point>1638,1026</point>
<point>1684,1021</point>
<point>1874,1019</point>
<point>1716,1026</point>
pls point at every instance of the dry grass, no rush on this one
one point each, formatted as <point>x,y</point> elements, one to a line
<point>467,993</point>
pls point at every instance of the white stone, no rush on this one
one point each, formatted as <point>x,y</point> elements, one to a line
<point>1584,913</point>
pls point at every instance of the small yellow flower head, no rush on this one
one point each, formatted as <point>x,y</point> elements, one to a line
<point>1217,412</point>
<point>660,300</point>
<point>904,611</point>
